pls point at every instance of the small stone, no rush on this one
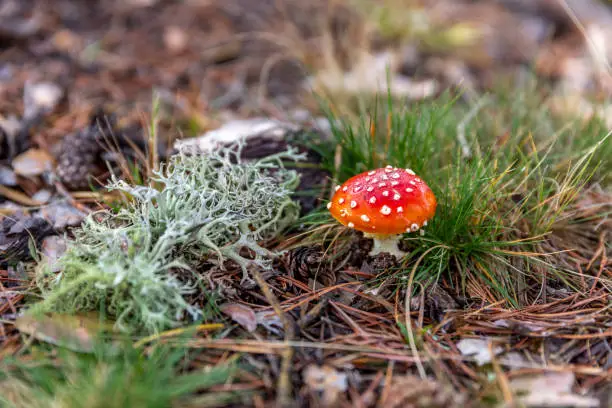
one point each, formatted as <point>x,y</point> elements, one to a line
<point>7,177</point>
<point>40,98</point>
<point>42,196</point>
<point>175,39</point>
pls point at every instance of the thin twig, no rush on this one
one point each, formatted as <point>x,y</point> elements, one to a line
<point>411,340</point>
<point>283,396</point>
<point>501,378</point>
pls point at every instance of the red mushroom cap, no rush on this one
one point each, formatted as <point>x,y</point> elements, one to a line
<point>387,201</point>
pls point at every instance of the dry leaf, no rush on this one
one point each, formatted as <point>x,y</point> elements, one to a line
<point>32,162</point>
<point>411,391</point>
<point>62,215</point>
<point>371,74</point>
<point>270,321</point>
<point>327,380</point>
<point>478,349</point>
<point>233,131</point>
<point>73,332</point>
<point>241,314</point>
<point>550,390</point>
<point>53,248</point>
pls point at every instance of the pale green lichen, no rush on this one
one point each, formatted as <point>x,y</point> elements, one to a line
<point>137,263</point>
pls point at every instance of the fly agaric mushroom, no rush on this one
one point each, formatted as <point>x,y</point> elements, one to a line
<point>384,204</point>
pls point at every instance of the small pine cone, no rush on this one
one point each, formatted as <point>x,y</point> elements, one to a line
<point>78,159</point>
<point>307,262</point>
<point>79,156</point>
<point>413,392</point>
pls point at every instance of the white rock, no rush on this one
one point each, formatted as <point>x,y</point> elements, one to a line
<point>40,98</point>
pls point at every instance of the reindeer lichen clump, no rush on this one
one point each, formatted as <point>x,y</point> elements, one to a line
<point>136,263</point>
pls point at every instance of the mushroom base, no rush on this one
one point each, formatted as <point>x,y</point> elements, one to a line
<point>385,243</point>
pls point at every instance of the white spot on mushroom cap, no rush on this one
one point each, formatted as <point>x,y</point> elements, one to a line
<point>372,200</point>
<point>396,196</point>
<point>412,182</point>
<point>409,171</point>
<point>400,209</point>
<point>385,210</point>
<point>337,188</point>
<point>329,205</point>
<point>385,193</point>
<point>343,212</point>
<point>382,184</point>
<point>424,223</point>
<point>341,201</point>
<point>374,180</point>
<point>353,204</point>
<point>394,183</point>
<point>414,227</point>
<point>370,189</point>
<point>395,175</point>
<point>388,166</point>
<point>357,189</point>
<point>344,188</point>
<point>409,190</point>
<point>351,225</point>
<point>365,218</point>
<point>371,173</point>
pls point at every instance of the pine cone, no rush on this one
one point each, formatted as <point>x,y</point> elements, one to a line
<point>412,392</point>
<point>80,154</point>
<point>307,262</point>
<point>78,160</point>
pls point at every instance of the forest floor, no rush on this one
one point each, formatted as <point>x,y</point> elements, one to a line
<point>128,282</point>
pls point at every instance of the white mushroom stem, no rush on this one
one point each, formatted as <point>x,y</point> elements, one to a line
<point>385,243</point>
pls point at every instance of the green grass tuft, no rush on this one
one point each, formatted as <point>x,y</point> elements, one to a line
<point>113,376</point>
<point>503,172</point>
